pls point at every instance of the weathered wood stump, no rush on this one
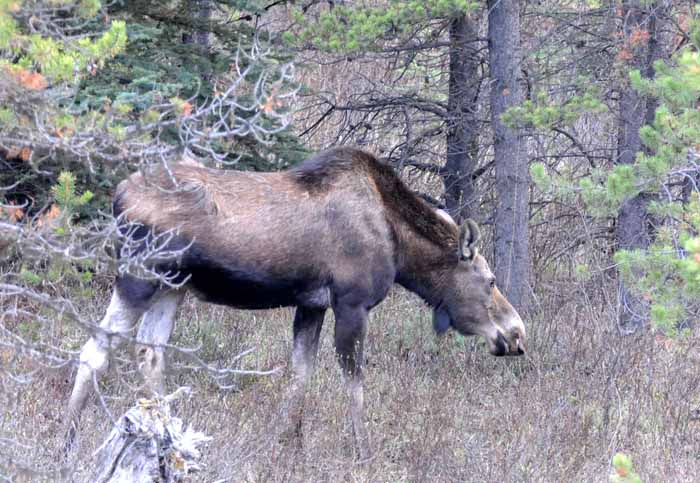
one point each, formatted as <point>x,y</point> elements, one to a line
<point>149,445</point>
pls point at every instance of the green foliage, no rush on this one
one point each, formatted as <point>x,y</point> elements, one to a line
<point>157,65</point>
<point>553,184</point>
<point>7,117</point>
<point>624,470</point>
<point>544,113</point>
<point>583,272</point>
<point>621,184</point>
<point>538,172</point>
<point>66,197</point>
<point>101,78</point>
<point>29,277</point>
<point>41,71</point>
<point>57,223</point>
<point>352,29</point>
<point>57,60</point>
<point>667,274</point>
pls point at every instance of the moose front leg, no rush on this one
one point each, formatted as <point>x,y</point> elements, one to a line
<point>350,328</point>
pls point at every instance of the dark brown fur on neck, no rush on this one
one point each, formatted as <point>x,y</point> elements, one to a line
<point>318,174</point>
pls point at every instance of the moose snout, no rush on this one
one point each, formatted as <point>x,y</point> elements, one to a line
<point>499,346</point>
<point>519,347</point>
<point>511,345</point>
<point>513,331</point>
<point>516,343</point>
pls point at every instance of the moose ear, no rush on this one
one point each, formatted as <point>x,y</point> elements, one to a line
<point>469,236</point>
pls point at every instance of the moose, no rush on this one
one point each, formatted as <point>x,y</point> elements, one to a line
<point>335,232</point>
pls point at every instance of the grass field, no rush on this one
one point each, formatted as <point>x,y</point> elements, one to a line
<point>437,410</point>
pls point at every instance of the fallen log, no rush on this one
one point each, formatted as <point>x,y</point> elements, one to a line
<point>149,445</point>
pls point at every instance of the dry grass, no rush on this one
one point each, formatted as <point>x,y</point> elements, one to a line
<point>436,410</point>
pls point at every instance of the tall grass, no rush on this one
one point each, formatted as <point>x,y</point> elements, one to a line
<point>437,410</point>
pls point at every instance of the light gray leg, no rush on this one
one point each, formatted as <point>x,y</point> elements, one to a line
<point>119,321</point>
<point>355,390</point>
<point>307,329</point>
<point>154,333</point>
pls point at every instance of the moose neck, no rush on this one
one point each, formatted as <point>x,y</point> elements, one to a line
<point>423,265</point>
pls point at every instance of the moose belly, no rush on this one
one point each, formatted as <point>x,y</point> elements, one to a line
<point>253,288</point>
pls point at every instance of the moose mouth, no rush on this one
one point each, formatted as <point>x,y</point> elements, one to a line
<point>498,346</point>
<point>501,347</point>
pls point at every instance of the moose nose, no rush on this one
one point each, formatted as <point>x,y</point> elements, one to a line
<point>516,347</point>
<point>512,345</point>
<point>519,345</point>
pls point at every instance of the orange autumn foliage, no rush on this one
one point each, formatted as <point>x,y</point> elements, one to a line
<point>25,153</point>
<point>639,36</point>
<point>12,213</point>
<point>186,108</point>
<point>28,79</point>
<point>625,55</point>
<point>271,104</point>
<point>48,217</point>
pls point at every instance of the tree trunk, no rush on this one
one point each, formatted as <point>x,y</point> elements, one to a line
<point>462,130</point>
<point>201,11</point>
<point>512,258</point>
<point>148,445</point>
<point>633,224</point>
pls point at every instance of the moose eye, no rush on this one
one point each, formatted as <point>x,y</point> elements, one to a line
<point>492,282</point>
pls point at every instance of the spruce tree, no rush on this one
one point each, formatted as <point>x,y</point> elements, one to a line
<point>666,274</point>
<point>93,100</point>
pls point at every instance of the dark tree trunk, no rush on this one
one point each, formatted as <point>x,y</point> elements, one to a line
<point>462,131</point>
<point>690,185</point>
<point>512,258</point>
<point>634,230</point>
<point>201,11</point>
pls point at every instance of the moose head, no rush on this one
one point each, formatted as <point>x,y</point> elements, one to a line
<point>473,305</point>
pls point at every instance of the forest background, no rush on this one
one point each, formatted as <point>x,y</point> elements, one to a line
<point>568,129</point>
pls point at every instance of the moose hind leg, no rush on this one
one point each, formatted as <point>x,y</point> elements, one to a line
<point>307,330</point>
<point>153,334</point>
<point>350,328</point>
<point>122,314</point>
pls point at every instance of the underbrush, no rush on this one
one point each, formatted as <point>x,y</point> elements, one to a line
<point>437,409</point>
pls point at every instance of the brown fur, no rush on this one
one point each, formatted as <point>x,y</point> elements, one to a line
<point>319,172</point>
<point>247,215</point>
<point>194,190</point>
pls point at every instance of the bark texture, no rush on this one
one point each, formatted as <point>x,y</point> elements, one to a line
<point>149,445</point>
<point>462,129</point>
<point>634,229</point>
<point>512,258</point>
<point>201,11</point>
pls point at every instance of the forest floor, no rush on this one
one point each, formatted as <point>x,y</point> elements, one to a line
<point>437,410</point>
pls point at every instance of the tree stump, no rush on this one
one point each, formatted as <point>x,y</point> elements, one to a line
<point>149,445</point>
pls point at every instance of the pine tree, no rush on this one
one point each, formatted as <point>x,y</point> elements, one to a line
<point>89,92</point>
<point>666,274</point>
<point>79,97</point>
